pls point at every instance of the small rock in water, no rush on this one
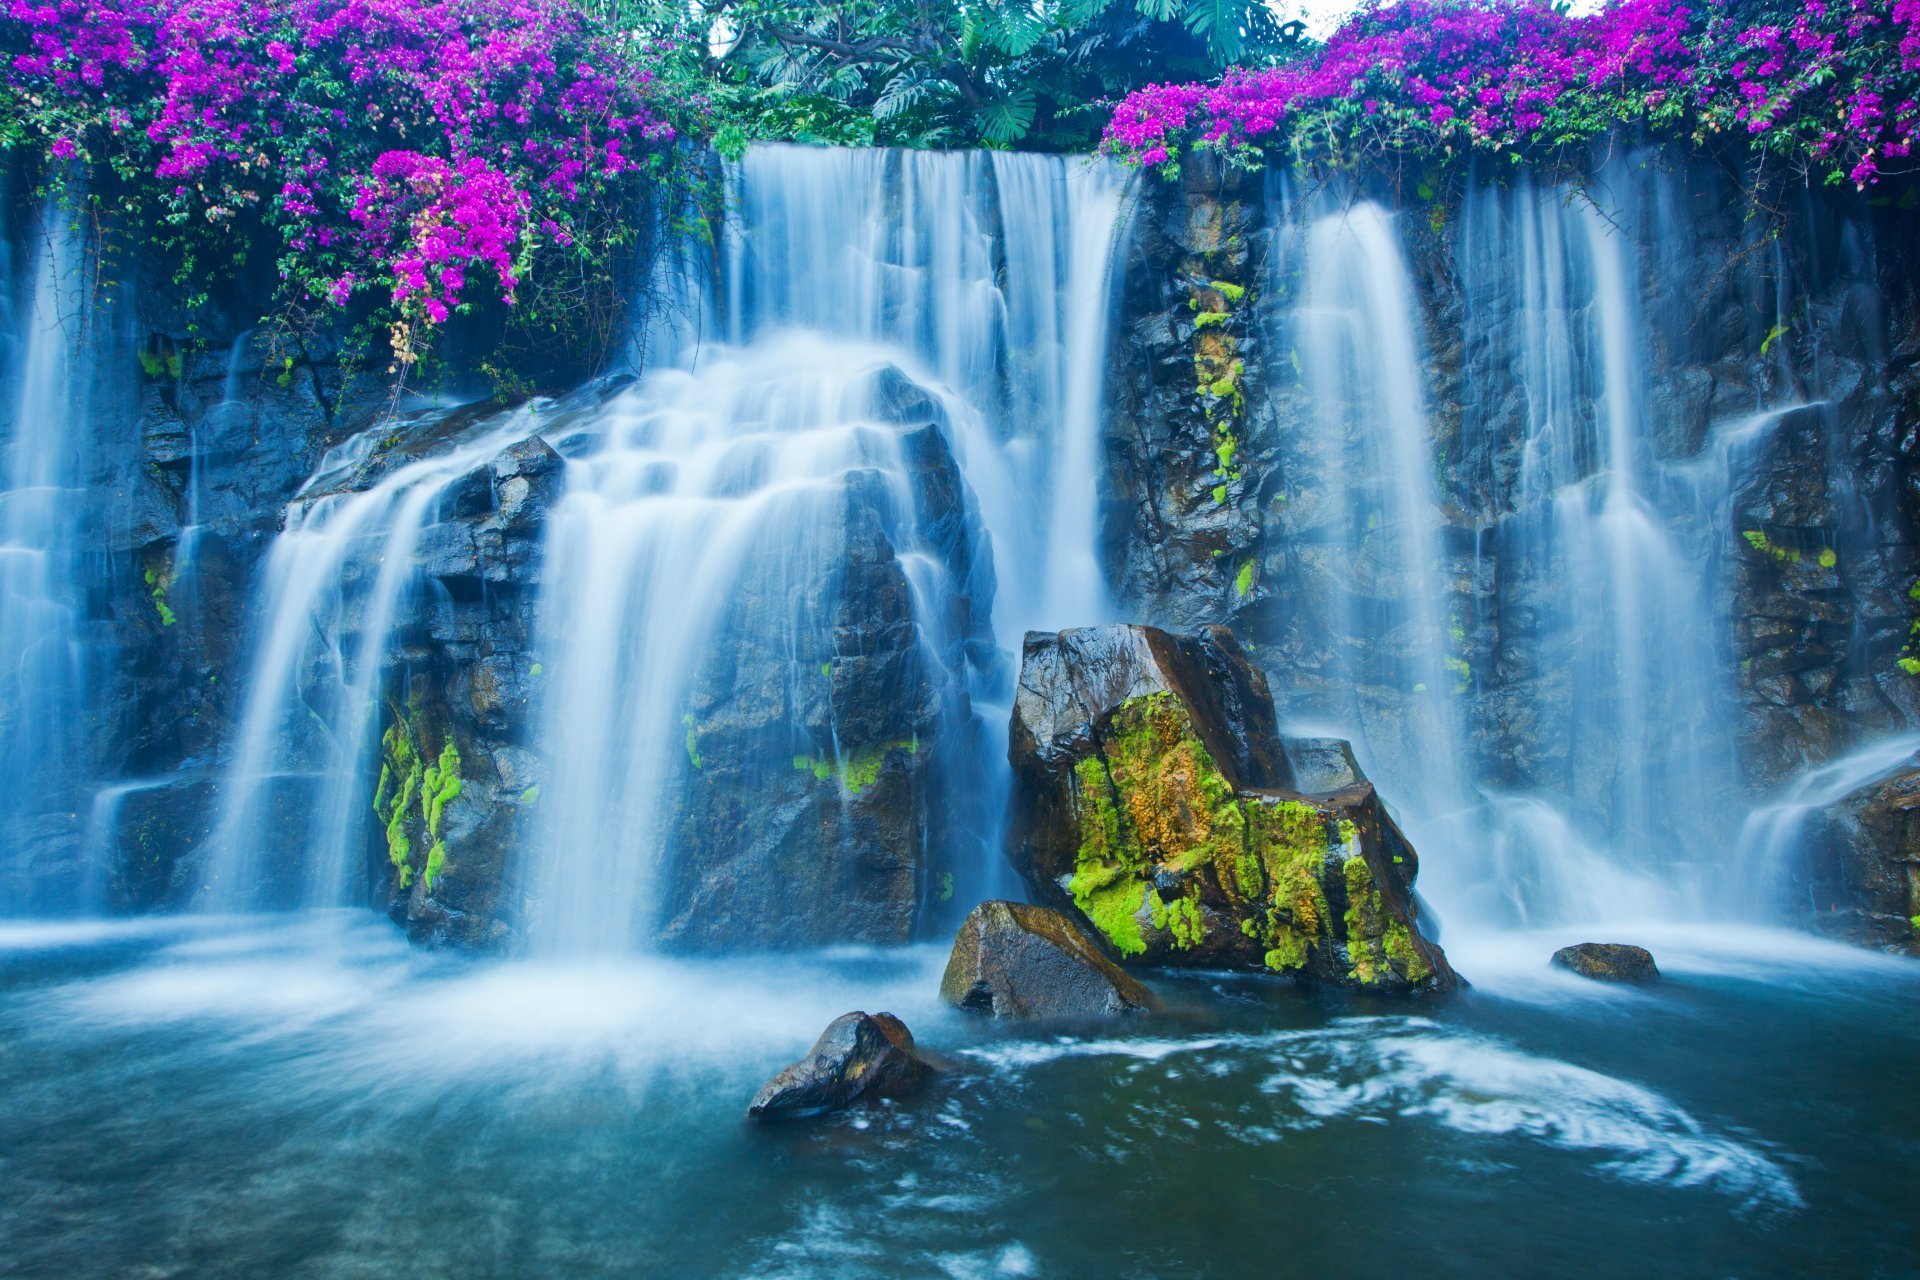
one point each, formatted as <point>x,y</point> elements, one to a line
<point>859,1055</point>
<point>1018,961</point>
<point>1607,962</point>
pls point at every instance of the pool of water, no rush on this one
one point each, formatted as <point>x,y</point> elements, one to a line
<point>307,1096</point>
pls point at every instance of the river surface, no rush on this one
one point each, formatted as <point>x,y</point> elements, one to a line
<point>306,1096</point>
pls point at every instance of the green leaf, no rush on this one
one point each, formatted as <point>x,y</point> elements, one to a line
<point>1078,13</point>
<point>1013,31</point>
<point>1218,21</point>
<point>1006,120</point>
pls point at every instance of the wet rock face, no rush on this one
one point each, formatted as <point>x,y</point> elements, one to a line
<point>458,776</point>
<point>1607,962</point>
<point>1811,555</point>
<point>1156,806</point>
<point>817,731</point>
<point>860,1056</point>
<point>1859,879</point>
<point>1012,960</point>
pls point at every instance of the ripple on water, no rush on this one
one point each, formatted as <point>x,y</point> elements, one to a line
<point>1383,1070</point>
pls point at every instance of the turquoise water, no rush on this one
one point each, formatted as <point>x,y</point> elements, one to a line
<point>308,1097</point>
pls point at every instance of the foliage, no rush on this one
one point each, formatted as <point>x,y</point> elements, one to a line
<point>416,151</point>
<point>994,72</point>
<point>1832,86</point>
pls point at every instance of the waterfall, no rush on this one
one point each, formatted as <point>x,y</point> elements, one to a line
<point>1360,363</point>
<point>1774,835</point>
<point>1582,765</point>
<point>784,587</point>
<point>297,793</point>
<point>43,544</point>
<point>889,317</point>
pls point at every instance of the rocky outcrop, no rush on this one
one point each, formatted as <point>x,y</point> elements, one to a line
<point>1231,499</point>
<point>1607,962</point>
<point>1153,800</point>
<point>809,811</point>
<point>1859,874</point>
<point>1013,960</point>
<point>459,780</point>
<point>860,1056</point>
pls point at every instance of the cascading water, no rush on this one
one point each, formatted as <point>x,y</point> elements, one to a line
<point>719,513</point>
<point>43,677</point>
<point>296,795</point>
<point>1586,768</point>
<point>1374,469</point>
<point>1644,744</point>
<point>1773,837</point>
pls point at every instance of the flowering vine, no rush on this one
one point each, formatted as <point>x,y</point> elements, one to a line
<point>1834,85</point>
<point>409,149</point>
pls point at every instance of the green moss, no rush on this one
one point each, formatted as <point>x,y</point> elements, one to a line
<point>1243,582</point>
<point>858,769</point>
<point>161,364</point>
<point>400,776</point>
<point>406,778</point>
<point>946,886</point>
<point>1184,921</point>
<point>530,796</point>
<point>536,670</point>
<point>1910,665</point>
<point>1765,546</point>
<point>159,580</point>
<point>1114,908</point>
<point>439,785</point>
<point>693,741</point>
<point>1232,292</point>
<point>1366,924</point>
<point>436,863</point>
<point>1829,557</point>
<point>1405,957</point>
<point>1247,878</point>
<point>1462,673</point>
<point>1220,493</point>
<point>1288,949</point>
<point>1208,319</point>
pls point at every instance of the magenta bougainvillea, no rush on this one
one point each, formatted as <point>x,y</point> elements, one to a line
<point>1831,85</point>
<point>411,147</point>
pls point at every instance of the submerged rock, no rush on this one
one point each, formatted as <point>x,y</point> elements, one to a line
<point>1155,800</point>
<point>859,1055</point>
<point>1013,960</point>
<point>1607,962</point>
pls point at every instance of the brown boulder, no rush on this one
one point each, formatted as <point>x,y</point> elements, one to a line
<point>1607,962</point>
<point>1013,960</point>
<point>859,1055</point>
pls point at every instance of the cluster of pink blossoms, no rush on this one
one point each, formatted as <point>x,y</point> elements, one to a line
<point>402,141</point>
<point>1834,83</point>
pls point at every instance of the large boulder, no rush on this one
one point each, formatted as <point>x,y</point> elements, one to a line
<point>1859,872</point>
<point>1154,799</point>
<point>1607,962</point>
<point>1014,960</point>
<point>859,1055</point>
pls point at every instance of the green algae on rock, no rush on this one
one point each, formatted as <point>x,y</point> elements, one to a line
<point>1155,800</point>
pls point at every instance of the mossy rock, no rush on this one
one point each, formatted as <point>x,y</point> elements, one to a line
<point>1155,803</point>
